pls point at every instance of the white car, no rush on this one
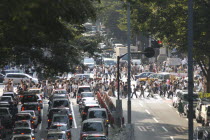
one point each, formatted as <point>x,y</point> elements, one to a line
<point>17,77</point>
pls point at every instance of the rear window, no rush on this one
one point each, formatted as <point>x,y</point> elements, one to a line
<point>30,107</point>
<point>55,136</point>
<point>92,126</point>
<point>60,119</point>
<point>21,124</point>
<point>22,131</point>
<point>23,138</point>
<point>61,103</point>
<point>84,89</point>
<point>60,92</point>
<point>11,95</point>
<point>23,117</point>
<point>95,138</point>
<point>87,107</point>
<point>97,114</point>
<point>59,127</point>
<point>87,95</point>
<point>30,98</point>
<point>5,98</point>
<point>34,91</point>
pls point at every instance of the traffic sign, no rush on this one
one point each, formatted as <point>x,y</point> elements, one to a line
<point>149,52</point>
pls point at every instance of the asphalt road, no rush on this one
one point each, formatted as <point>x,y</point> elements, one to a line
<point>156,119</point>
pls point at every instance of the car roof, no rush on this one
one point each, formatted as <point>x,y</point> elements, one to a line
<point>57,99</point>
<point>57,123</point>
<point>55,115</point>
<point>6,96</point>
<point>86,92</point>
<point>97,109</point>
<point>27,111</point>
<point>4,108</point>
<point>84,86</point>
<point>20,135</point>
<point>23,113</point>
<point>31,103</point>
<point>8,93</point>
<point>22,128</point>
<point>96,104</point>
<point>23,121</point>
<point>94,120</point>
<point>56,132</point>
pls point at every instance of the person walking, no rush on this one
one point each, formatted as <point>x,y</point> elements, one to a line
<point>142,91</point>
<point>180,108</point>
<point>150,90</point>
<point>134,91</point>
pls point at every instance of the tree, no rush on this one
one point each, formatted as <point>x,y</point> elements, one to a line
<point>167,20</point>
<point>28,28</point>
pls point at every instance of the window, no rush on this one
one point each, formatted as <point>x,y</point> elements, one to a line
<point>97,114</point>
<point>92,126</point>
<point>60,119</point>
<point>61,103</point>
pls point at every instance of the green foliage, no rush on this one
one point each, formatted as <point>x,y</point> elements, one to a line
<point>28,28</point>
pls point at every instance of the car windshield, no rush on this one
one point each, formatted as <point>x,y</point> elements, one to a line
<point>21,131</point>
<point>22,117</point>
<point>97,114</point>
<point>59,127</point>
<point>31,112</point>
<point>21,124</point>
<point>88,60</point>
<point>92,126</point>
<point>3,111</point>
<point>61,103</point>
<point>23,138</point>
<point>55,136</point>
<point>87,95</point>
<point>30,98</point>
<point>60,119</point>
<point>6,99</point>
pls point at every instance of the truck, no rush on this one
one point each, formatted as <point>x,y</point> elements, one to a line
<point>123,50</point>
<point>202,112</point>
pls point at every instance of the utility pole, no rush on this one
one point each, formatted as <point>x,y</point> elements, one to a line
<point>190,68</point>
<point>129,64</point>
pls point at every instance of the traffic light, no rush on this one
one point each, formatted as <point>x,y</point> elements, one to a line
<point>156,44</point>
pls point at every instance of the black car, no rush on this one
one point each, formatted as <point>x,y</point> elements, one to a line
<point>6,117</point>
<point>2,130</point>
<point>60,110</point>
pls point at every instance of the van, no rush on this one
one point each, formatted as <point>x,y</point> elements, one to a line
<point>17,77</point>
<point>98,113</point>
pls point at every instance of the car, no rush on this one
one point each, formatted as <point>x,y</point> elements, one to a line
<point>8,105</point>
<point>93,126</point>
<point>59,93</point>
<point>80,90</point>
<point>18,77</point>
<point>33,106</point>
<point>32,98</point>
<point>86,101</point>
<point>60,110</point>
<point>60,127</point>
<point>85,110</point>
<point>22,123</point>
<point>13,95</point>
<point>3,132</point>
<point>24,116</point>
<point>61,118</point>
<point>36,91</point>
<point>6,117</point>
<point>198,132</point>
<point>23,131</point>
<point>55,135</point>
<point>8,99</point>
<point>1,77</point>
<point>34,116</point>
<point>143,75</point>
<point>59,102</point>
<point>95,137</point>
<point>22,137</point>
<point>147,77</point>
<point>82,76</point>
<point>98,113</point>
<point>206,134</point>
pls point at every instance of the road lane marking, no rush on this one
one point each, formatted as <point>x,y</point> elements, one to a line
<point>164,129</point>
<point>177,112</point>
<point>141,105</point>
<point>147,111</point>
<point>155,119</point>
<point>75,124</point>
<point>186,119</point>
<point>169,105</point>
<point>171,138</point>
